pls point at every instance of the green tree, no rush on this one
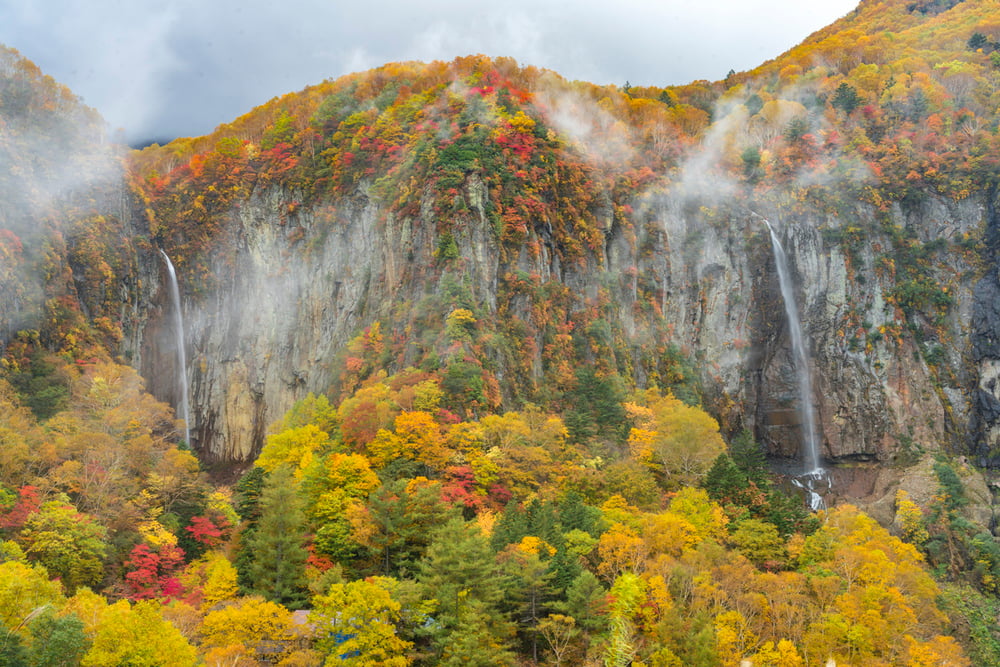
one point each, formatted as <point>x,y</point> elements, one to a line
<point>282,132</point>
<point>530,590</point>
<point>760,542</point>
<point>595,406</point>
<point>56,641</point>
<point>401,515</point>
<point>278,544</point>
<point>977,41</point>
<point>845,98</point>
<point>751,164</point>
<point>12,650</point>
<point>586,602</point>
<point>460,572</point>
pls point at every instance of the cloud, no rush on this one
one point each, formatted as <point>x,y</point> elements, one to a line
<point>180,67</point>
<point>119,70</point>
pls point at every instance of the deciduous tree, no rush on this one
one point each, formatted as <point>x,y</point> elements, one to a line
<point>356,624</point>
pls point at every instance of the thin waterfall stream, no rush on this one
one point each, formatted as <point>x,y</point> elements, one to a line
<point>814,475</point>
<point>175,296</point>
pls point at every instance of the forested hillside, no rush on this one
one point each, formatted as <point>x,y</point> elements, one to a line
<point>488,367</point>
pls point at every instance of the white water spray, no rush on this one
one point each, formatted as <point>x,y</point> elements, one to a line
<point>814,474</point>
<point>175,295</point>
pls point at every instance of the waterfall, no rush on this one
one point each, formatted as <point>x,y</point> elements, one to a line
<point>175,296</point>
<point>814,473</point>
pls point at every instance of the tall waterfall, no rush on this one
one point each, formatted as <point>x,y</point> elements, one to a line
<point>175,296</point>
<point>814,473</point>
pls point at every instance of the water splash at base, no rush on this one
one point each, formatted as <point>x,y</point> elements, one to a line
<point>815,483</point>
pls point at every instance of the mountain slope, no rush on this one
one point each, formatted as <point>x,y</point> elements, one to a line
<point>579,224</point>
<point>502,228</point>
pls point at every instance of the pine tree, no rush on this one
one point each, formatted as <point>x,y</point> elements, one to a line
<point>278,544</point>
<point>460,572</point>
<point>575,514</point>
<point>510,527</point>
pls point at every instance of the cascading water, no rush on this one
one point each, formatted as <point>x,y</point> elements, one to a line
<point>175,295</point>
<point>814,475</point>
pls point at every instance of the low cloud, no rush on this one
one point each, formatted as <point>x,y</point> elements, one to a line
<point>181,67</point>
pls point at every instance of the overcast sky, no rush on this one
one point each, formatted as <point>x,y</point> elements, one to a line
<point>167,68</point>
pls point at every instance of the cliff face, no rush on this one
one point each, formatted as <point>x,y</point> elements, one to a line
<point>503,228</point>
<point>890,372</point>
<point>984,346</point>
<point>892,376</point>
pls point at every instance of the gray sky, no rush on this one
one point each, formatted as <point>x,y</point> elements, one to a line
<point>167,68</point>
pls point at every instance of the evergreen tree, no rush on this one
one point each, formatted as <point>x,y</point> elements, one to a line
<point>510,527</point>
<point>596,407</point>
<point>57,641</point>
<point>586,600</point>
<point>749,457</point>
<point>530,593</point>
<point>278,544</point>
<point>564,568</point>
<point>542,522</point>
<point>574,514</point>
<point>460,572</point>
<point>248,490</point>
<point>978,41</point>
<point>402,515</point>
<point>846,98</point>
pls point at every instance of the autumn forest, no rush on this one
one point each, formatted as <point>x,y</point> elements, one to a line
<point>488,367</point>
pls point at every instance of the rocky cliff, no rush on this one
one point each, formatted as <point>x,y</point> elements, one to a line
<point>574,226</point>
<point>892,378</point>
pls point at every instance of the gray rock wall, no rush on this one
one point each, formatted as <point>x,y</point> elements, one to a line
<point>294,288</point>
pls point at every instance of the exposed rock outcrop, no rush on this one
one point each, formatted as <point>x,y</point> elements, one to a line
<point>293,289</point>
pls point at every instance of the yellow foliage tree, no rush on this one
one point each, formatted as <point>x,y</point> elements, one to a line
<point>263,628</point>
<point>215,576</point>
<point>24,588</point>
<point>621,551</point>
<point>296,447</point>
<point>694,505</point>
<point>416,436</point>
<point>683,439</point>
<point>356,623</point>
<point>138,635</point>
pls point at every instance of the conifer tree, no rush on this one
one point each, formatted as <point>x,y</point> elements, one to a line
<point>459,570</point>
<point>278,544</point>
